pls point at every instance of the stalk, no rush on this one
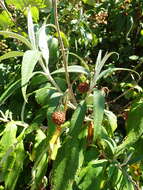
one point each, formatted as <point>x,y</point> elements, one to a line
<point>65,62</point>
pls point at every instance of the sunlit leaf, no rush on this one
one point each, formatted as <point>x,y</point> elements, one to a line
<point>11,54</point>
<point>17,36</point>
<point>98,111</point>
<point>73,69</point>
<point>29,61</point>
<point>5,20</point>
<point>31,33</point>
<point>112,119</point>
<point>40,157</point>
<point>91,176</point>
<point>43,45</point>
<point>62,179</point>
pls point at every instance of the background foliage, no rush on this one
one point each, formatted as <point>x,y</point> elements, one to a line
<point>100,144</point>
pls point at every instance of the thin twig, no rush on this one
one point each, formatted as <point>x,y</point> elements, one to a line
<point>124,93</point>
<point>65,63</point>
<point>120,96</point>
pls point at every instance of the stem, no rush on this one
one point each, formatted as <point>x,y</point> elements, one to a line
<point>65,63</point>
<point>48,75</point>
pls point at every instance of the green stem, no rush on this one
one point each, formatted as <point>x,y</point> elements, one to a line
<point>48,75</point>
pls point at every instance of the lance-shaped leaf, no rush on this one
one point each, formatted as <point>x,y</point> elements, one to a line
<point>11,156</point>
<point>40,157</point>
<point>8,139</point>
<point>11,54</point>
<point>73,69</point>
<point>65,165</point>
<point>12,171</point>
<point>111,121</point>
<point>77,119</point>
<point>110,71</point>
<point>31,30</point>
<point>29,61</point>
<point>17,36</point>
<point>67,160</point>
<point>9,91</point>
<point>98,111</point>
<point>43,45</point>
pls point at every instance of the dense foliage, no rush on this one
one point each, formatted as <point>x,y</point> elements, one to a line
<point>71,94</point>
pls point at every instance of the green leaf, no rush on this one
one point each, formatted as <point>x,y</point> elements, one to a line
<point>11,156</point>
<point>9,91</point>
<point>43,94</point>
<point>112,119</point>
<point>14,171</point>
<point>73,69</point>
<point>35,13</point>
<point>114,176</point>
<point>40,156</point>
<point>53,51</point>
<point>100,63</point>
<point>98,112</point>
<point>134,57</point>
<point>90,2</point>
<point>91,177</point>
<point>18,4</point>
<point>8,139</point>
<point>29,61</point>
<point>134,125</point>
<point>22,4</point>
<point>5,20</point>
<point>65,166</point>
<point>68,155</point>
<point>43,45</point>
<point>64,38</point>
<point>83,63</point>
<point>77,119</point>
<point>127,180</point>
<point>17,36</point>
<point>31,33</point>
<point>110,71</point>
<point>11,54</point>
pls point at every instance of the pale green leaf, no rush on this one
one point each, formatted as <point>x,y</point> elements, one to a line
<point>83,63</point>
<point>29,61</point>
<point>110,71</point>
<point>17,36</point>
<point>112,120</point>
<point>31,33</point>
<point>43,45</point>
<point>73,69</point>
<point>134,57</point>
<point>100,63</point>
<point>90,2</point>
<point>11,54</point>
